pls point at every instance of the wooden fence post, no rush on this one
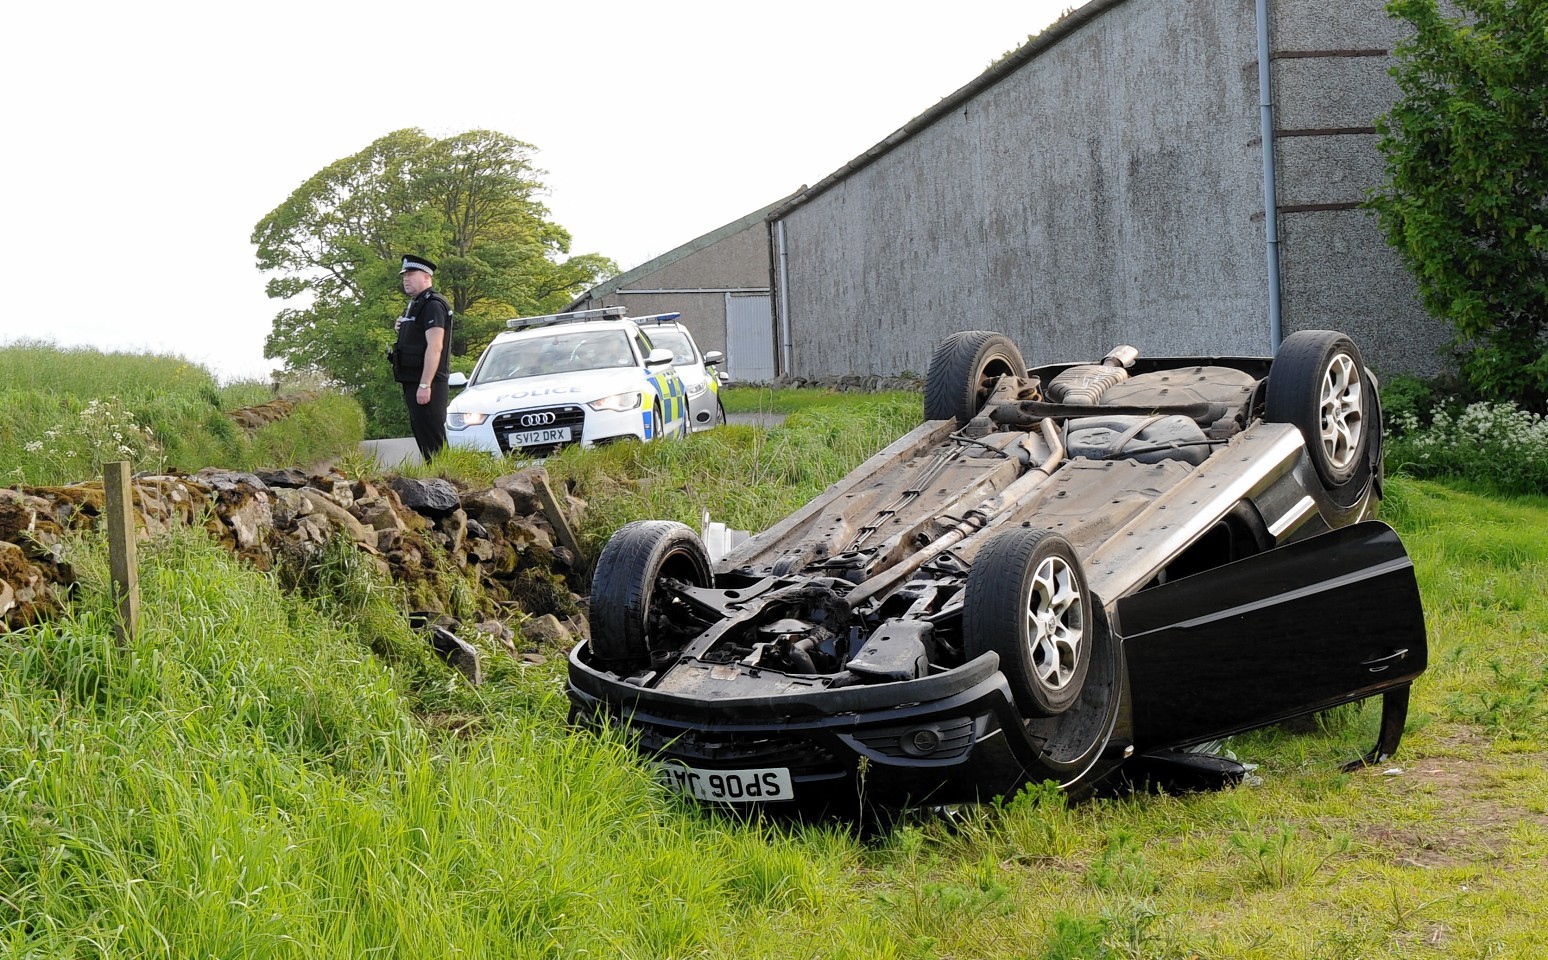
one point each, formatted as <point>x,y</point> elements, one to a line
<point>555,511</point>
<point>122,561</point>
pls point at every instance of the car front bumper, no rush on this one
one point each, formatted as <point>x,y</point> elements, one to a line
<point>954,737</point>
<point>504,432</point>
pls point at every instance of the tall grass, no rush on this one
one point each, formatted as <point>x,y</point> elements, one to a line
<point>38,367</point>
<point>245,779</point>
<point>63,413</point>
<point>260,775</point>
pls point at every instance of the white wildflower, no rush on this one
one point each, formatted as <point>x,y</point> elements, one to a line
<point>35,446</point>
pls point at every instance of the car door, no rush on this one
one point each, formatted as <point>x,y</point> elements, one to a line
<point>1322,621</point>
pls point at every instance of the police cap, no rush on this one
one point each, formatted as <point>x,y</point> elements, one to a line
<point>411,262</point>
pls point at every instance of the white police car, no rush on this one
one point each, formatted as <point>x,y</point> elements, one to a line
<point>700,371</point>
<point>588,377</point>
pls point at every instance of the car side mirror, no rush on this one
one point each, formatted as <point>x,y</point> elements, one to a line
<point>659,357</point>
<point>714,357</point>
<point>723,377</point>
<point>458,379</point>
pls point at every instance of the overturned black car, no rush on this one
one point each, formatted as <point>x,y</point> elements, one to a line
<point>1070,573</point>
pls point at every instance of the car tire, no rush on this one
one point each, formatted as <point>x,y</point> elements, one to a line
<point>962,372</point>
<point>626,605</point>
<point>1319,385</point>
<point>655,422</point>
<point>1026,600</point>
<point>719,419</point>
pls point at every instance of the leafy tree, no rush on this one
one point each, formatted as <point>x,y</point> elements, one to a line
<point>468,202</point>
<point>1465,200</point>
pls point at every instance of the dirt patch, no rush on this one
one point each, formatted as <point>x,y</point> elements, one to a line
<point>1472,823</point>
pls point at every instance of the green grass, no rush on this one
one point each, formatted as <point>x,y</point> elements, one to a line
<point>246,779</point>
<point>784,399</point>
<point>260,775</point>
<point>249,779</point>
<point>65,412</point>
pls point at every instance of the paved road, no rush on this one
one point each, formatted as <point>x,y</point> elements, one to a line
<point>396,451</point>
<point>393,451</point>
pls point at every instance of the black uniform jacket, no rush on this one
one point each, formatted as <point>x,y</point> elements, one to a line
<point>427,311</point>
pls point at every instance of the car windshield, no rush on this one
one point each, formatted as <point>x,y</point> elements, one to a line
<point>674,340</point>
<point>562,352</point>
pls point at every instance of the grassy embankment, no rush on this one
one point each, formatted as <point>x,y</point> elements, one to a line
<point>250,779</point>
<point>65,412</point>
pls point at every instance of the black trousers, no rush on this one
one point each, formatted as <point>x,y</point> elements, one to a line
<point>428,421</point>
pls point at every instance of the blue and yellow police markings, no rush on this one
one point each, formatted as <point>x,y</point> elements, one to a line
<point>669,387</point>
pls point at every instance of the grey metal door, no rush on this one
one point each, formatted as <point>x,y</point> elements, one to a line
<point>749,337</point>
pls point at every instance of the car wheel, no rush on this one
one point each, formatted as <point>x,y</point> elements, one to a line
<point>655,423</point>
<point>1319,385</point>
<point>628,611</point>
<point>719,419</point>
<point>962,371</point>
<point>1026,599</point>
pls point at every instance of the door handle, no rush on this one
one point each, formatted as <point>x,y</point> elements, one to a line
<point>1378,664</point>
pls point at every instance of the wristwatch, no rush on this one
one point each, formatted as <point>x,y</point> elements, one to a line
<point>424,386</point>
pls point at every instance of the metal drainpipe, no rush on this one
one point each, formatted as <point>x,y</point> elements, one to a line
<point>1270,194</point>
<point>784,299</point>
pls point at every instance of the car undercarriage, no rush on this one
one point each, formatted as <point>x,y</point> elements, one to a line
<point>1071,573</point>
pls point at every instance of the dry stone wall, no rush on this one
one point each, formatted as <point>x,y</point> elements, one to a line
<point>421,533</point>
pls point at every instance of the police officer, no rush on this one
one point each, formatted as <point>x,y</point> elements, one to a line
<point>421,360</point>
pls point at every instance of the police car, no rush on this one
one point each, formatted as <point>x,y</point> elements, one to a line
<point>701,372</point>
<point>588,377</point>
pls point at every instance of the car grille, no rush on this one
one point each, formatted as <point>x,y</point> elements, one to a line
<point>797,753</point>
<point>570,416</point>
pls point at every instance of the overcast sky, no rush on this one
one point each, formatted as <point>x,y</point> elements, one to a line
<point>146,140</point>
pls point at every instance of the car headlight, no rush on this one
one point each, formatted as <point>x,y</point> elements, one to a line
<point>620,402</point>
<point>462,421</point>
<point>695,389</point>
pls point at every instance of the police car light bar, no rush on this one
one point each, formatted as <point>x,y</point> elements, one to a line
<point>657,318</point>
<point>549,319</point>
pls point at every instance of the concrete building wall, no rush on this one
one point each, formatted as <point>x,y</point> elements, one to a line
<point>1331,81</point>
<point>1109,190</point>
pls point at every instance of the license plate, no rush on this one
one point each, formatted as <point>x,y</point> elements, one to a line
<point>727,786</point>
<point>537,438</point>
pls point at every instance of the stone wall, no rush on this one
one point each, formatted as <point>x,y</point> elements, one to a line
<point>420,533</point>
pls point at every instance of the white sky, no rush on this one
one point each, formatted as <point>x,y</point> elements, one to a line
<point>146,140</point>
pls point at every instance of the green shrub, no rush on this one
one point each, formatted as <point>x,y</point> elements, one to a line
<point>1406,396</point>
<point>1498,444</point>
